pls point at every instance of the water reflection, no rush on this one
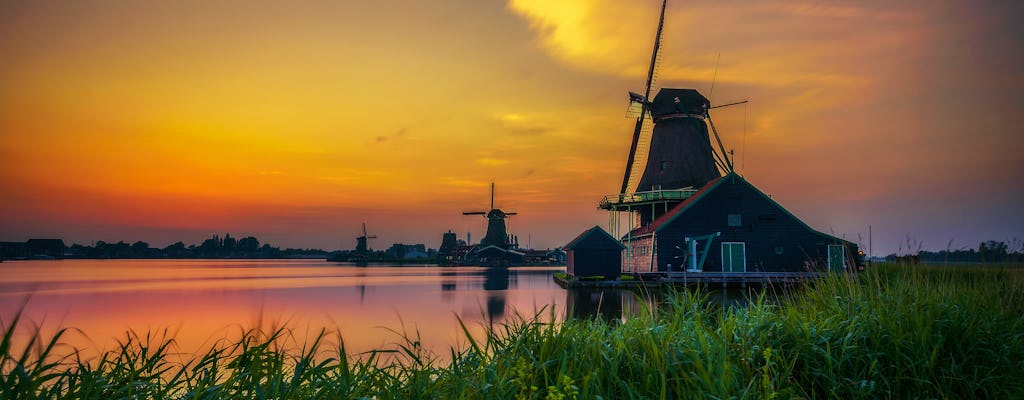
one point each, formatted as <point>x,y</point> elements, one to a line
<point>448,285</point>
<point>202,298</point>
<point>613,305</point>
<point>496,282</point>
<point>589,303</point>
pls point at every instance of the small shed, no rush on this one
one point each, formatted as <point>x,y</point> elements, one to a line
<point>594,253</point>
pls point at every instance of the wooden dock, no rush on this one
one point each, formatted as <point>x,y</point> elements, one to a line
<point>707,279</point>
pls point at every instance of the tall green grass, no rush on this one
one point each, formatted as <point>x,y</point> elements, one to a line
<point>894,332</point>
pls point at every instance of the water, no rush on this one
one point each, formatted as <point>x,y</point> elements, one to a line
<point>202,301</point>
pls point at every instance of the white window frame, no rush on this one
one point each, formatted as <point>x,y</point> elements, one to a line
<point>743,245</point>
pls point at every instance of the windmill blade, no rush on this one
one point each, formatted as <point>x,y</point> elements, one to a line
<point>657,50</point>
<point>725,156</point>
<point>633,150</point>
<point>475,213</point>
<point>511,213</point>
<point>492,195</point>
<point>372,237</point>
<point>643,99</point>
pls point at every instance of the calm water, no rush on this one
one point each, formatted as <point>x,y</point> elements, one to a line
<point>201,301</point>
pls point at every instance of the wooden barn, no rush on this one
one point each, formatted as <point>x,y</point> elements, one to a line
<point>729,225</point>
<point>594,253</point>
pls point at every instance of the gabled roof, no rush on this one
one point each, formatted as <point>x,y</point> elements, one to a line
<point>678,209</point>
<point>681,208</point>
<point>600,234</point>
<point>493,248</point>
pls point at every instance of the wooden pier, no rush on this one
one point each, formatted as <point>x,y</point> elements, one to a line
<point>707,279</point>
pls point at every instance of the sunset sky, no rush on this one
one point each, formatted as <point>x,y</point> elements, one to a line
<point>297,121</point>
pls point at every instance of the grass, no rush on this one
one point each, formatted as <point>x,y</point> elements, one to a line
<point>895,332</point>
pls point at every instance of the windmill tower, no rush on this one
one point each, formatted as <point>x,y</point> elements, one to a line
<point>361,247</point>
<point>671,155</point>
<point>497,228</point>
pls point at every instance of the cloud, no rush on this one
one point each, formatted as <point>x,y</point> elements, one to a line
<point>521,125</point>
<point>613,39</point>
<point>463,182</point>
<point>589,34</point>
<point>394,136</point>
<point>491,162</point>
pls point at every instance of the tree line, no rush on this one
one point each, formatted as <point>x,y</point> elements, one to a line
<point>987,251</point>
<point>214,247</point>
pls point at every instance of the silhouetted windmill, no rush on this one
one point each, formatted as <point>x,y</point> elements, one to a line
<point>497,230</point>
<point>677,155</point>
<point>361,247</point>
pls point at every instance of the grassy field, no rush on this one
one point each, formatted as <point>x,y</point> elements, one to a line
<point>894,332</point>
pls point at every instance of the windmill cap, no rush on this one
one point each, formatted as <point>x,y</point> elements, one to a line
<point>679,101</point>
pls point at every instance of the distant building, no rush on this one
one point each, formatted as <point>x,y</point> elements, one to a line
<point>554,257</point>
<point>407,251</point>
<point>12,250</point>
<point>449,243</point>
<point>535,256</point>
<point>45,248</point>
<point>557,256</point>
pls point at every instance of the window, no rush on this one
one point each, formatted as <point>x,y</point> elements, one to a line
<point>778,249</point>
<point>735,220</point>
<point>734,257</point>
<point>664,165</point>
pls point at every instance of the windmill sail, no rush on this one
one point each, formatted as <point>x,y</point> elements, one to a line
<point>644,105</point>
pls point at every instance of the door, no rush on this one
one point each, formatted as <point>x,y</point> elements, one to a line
<point>734,257</point>
<point>836,258</point>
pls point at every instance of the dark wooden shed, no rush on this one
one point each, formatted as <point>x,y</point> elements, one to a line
<point>734,227</point>
<point>594,253</point>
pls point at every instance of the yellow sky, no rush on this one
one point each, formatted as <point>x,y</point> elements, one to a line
<point>296,121</point>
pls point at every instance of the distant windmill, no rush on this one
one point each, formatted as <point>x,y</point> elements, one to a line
<point>361,246</point>
<point>497,230</point>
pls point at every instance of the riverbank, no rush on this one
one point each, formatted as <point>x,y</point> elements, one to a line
<point>928,331</point>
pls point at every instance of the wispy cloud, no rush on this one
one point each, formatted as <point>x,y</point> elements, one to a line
<point>391,137</point>
<point>491,162</point>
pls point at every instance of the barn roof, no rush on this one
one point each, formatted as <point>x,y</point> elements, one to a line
<point>681,208</point>
<point>600,235</point>
<point>678,209</point>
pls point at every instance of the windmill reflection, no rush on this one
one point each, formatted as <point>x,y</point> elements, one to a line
<point>448,285</point>
<point>496,282</point>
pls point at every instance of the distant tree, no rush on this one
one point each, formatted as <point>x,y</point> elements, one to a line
<point>248,244</point>
<point>210,247</point>
<point>228,245</point>
<point>992,251</point>
<point>175,250</point>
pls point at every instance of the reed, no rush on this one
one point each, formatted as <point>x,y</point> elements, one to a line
<point>894,332</point>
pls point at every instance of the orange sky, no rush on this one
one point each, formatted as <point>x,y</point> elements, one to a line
<point>297,121</point>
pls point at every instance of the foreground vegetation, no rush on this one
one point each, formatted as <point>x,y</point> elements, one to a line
<point>920,332</point>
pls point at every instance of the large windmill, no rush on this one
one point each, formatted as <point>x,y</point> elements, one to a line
<point>497,228</point>
<point>689,212</point>
<point>671,152</point>
<point>361,246</point>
